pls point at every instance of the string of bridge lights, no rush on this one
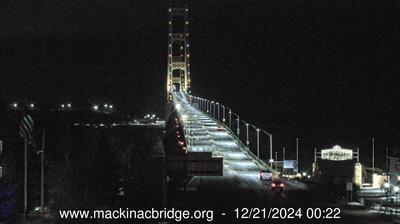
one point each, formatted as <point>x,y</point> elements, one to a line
<point>63,107</point>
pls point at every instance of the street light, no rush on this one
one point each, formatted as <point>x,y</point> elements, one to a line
<point>96,107</point>
<point>69,105</point>
<point>212,105</point>
<point>14,105</point>
<point>218,112</point>
<point>396,192</point>
<point>223,114</point>
<point>258,143</point>
<point>247,135</point>
<point>386,185</point>
<point>32,105</point>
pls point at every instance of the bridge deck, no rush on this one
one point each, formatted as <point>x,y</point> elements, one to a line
<point>207,135</point>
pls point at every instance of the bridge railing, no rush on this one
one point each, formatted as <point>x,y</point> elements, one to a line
<point>254,139</point>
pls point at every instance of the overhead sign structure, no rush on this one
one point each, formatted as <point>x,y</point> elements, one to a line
<point>337,154</point>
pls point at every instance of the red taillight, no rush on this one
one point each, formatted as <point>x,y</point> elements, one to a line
<point>282,185</point>
<point>273,185</point>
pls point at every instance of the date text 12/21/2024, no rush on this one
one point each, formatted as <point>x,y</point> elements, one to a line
<point>287,213</point>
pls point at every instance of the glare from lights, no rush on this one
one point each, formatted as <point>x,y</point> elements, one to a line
<point>386,185</point>
<point>31,105</point>
<point>69,105</point>
<point>95,107</point>
<point>62,105</point>
<point>105,105</point>
<point>15,105</point>
<point>111,106</point>
<point>304,174</point>
<point>396,189</point>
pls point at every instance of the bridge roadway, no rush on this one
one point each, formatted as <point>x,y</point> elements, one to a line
<point>204,134</point>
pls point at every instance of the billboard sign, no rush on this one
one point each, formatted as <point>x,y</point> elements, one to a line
<point>290,164</point>
<point>337,154</point>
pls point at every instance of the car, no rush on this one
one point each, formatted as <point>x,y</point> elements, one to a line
<point>277,185</point>
<point>265,175</point>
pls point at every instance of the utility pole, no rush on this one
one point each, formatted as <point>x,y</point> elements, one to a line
<point>42,175</point>
<point>283,153</point>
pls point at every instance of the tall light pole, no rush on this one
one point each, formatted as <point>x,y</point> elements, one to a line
<point>387,159</point>
<point>223,114</point>
<point>238,126</point>
<point>230,118</point>
<point>276,160</point>
<point>42,176</point>
<point>270,148</point>
<point>26,177</point>
<point>283,153</point>
<point>373,156</point>
<point>213,109</point>
<point>297,153</point>
<point>247,135</point>
<point>258,143</point>
<point>218,112</point>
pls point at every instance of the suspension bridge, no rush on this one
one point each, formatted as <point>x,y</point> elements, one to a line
<point>211,126</point>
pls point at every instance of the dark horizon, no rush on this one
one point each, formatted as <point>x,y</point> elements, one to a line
<point>326,72</point>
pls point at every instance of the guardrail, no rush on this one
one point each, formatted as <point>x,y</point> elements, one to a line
<point>257,141</point>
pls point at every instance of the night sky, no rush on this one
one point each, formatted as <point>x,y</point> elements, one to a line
<point>327,72</point>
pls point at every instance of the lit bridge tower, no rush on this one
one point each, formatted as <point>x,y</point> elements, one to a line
<point>178,77</point>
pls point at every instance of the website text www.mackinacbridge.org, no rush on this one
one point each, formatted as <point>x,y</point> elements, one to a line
<point>132,214</point>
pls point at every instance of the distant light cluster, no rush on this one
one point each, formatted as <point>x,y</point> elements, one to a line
<point>107,108</point>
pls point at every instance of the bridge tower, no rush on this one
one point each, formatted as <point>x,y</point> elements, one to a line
<point>178,76</point>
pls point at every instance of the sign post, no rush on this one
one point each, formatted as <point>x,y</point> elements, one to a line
<point>349,188</point>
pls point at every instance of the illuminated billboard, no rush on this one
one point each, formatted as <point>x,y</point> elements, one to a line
<point>337,154</point>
